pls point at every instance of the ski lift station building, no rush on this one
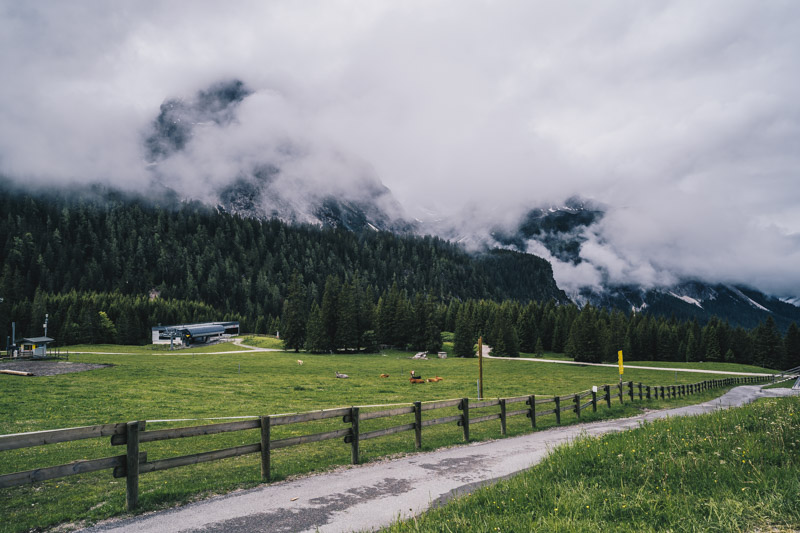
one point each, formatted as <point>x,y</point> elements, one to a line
<point>195,333</point>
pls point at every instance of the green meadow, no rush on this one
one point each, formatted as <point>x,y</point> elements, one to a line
<point>193,387</point>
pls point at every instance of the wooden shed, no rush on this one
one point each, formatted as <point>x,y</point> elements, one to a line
<point>35,346</point>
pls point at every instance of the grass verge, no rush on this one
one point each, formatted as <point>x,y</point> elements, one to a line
<point>734,470</point>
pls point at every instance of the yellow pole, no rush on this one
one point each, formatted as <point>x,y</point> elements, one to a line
<point>480,368</point>
<point>620,367</point>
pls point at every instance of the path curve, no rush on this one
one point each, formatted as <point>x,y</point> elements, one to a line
<point>371,496</point>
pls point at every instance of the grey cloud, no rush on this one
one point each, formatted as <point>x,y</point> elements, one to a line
<point>682,117</point>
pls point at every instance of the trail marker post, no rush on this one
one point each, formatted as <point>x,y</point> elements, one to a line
<point>480,368</point>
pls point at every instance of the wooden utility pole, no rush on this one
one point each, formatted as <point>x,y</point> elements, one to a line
<point>480,368</point>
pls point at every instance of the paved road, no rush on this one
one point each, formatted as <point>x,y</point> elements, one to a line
<point>370,496</point>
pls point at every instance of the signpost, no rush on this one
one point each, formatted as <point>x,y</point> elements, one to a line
<point>480,368</point>
<point>621,370</point>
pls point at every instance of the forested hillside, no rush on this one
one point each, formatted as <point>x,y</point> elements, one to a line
<point>107,266</point>
<point>101,241</point>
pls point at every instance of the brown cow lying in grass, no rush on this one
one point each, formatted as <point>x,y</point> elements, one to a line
<point>415,378</point>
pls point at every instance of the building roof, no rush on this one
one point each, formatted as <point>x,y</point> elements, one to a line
<point>37,340</point>
<point>189,326</point>
<point>199,331</point>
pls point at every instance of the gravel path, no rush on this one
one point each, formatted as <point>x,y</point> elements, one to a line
<point>371,496</point>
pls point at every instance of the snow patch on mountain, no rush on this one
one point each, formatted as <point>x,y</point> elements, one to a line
<point>747,299</point>
<point>791,300</point>
<point>687,299</point>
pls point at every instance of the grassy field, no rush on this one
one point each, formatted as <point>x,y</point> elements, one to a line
<point>151,348</point>
<point>263,341</point>
<point>155,386</point>
<point>737,470</point>
<point>787,384</point>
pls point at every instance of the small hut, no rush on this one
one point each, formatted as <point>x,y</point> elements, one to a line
<point>35,346</point>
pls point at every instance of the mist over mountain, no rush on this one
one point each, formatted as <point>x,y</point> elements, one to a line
<point>235,148</point>
<point>587,267</point>
<point>202,147</point>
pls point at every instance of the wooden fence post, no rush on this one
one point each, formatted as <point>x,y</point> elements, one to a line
<point>464,406</point>
<point>594,400</point>
<point>648,392</point>
<point>640,391</point>
<point>354,433</point>
<point>132,466</point>
<point>578,405</point>
<point>630,389</point>
<point>265,451</point>
<point>418,425</point>
<point>502,416</point>
<point>558,410</point>
<point>662,392</point>
<point>620,393</point>
<point>532,412</point>
<point>607,390</point>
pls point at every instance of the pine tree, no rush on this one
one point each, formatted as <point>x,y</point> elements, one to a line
<point>526,329</point>
<point>539,348</point>
<point>583,344</point>
<point>330,310</point>
<point>464,336</point>
<point>107,331</point>
<point>294,321</point>
<point>347,319</point>
<point>768,345</point>
<point>433,332</point>
<point>711,344</point>
<point>316,336</point>
<point>791,347</point>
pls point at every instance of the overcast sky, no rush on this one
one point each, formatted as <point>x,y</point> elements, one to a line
<point>682,117</point>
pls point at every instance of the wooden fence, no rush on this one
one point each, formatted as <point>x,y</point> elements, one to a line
<point>132,435</point>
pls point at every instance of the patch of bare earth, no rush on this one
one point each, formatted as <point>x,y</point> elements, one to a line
<point>49,368</point>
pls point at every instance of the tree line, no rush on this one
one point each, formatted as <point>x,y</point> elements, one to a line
<point>348,318</point>
<point>106,318</point>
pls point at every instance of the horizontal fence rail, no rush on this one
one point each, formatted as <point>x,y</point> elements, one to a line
<point>132,434</point>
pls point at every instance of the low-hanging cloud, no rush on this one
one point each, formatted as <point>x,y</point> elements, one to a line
<point>681,117</point>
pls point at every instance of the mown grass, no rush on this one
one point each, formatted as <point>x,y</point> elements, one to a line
<point>735,470</point>
<point>724,367</point>
<point>787,384</point>
<point>263,341</point>
<point>151,348</point>
<point>158,386</point>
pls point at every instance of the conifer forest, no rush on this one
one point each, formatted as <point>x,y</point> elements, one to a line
<point>107,266</point>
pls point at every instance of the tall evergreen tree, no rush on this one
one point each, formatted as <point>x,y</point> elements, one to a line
<point>330,310</point>
<point>347,319</point>
<point>583,344</point>
<point>294,322</point>
<point>316,336</point>
<point>464,337</point>
<point>791,347</point>
<point>768,344</point>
